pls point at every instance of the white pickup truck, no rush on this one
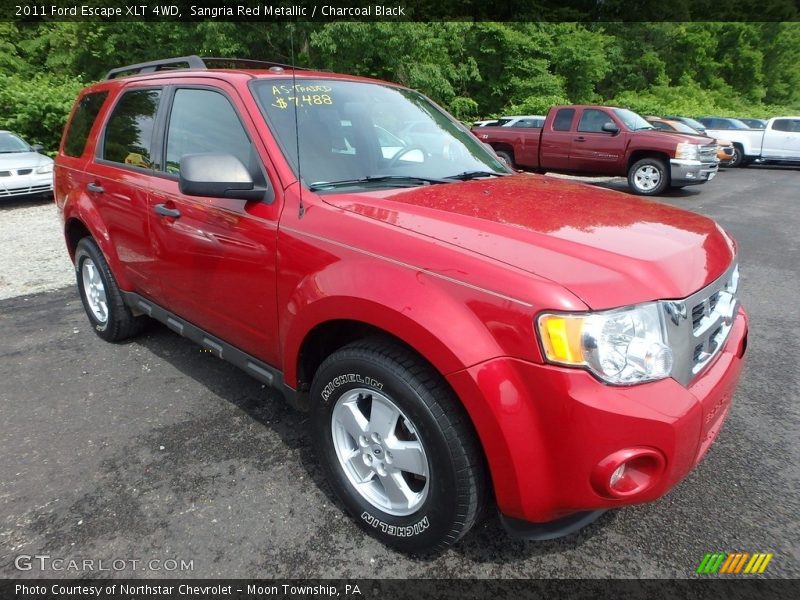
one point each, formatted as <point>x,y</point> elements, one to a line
<point>779,141</point>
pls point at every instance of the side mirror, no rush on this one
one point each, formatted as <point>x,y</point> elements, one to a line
<point>217,176</point>
<point>610,127</point>
<point>37,147</point>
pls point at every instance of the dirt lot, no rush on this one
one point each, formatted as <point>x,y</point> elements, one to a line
<point>155,450</point>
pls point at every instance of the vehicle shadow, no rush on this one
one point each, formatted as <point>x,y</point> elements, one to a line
<point>487,542</point>
<point>10,203</point>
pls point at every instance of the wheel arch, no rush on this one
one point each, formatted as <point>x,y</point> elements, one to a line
<point>638,155</point>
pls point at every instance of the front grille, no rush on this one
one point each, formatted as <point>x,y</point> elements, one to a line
<point>698,326</point>
<point>707,153</point>
<point>5,173</point>
<point>24,171</point>
<point>21,191</point>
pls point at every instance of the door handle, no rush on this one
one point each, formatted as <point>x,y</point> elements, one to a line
<point>579,139</point>
<point>95,187</point>
<point>162,209</point>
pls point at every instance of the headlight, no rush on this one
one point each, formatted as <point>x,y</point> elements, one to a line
<point>686,151</point>
<point>48,168</point>
<point>622,346</point>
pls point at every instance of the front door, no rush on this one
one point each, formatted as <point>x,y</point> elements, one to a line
<point>217,256</point>
<point>594,150</point>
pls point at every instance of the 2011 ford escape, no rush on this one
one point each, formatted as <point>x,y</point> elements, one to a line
<point>459,333</point>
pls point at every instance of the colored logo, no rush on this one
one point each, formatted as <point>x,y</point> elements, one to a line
<point>734,563</point>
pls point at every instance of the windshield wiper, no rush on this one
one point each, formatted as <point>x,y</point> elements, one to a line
<point>401,180</point>
<point>467,175</point>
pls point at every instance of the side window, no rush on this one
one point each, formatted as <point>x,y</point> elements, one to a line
<point>129,132</point>
<point>563,120</point>
<point>81,124</point>
<point>204,121</point>
<point>592,121</point>
<point>792,125</point>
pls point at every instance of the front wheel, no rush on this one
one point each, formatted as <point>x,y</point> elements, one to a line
<point>506,157</point>
<point>737,159</point>
<point>396,446</point>
<point>648,177</point>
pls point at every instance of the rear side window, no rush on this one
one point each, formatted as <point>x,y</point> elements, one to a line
<point>563,120</point>
<point>129,132</point>
<point>81,124</point>
<point>204,121</point>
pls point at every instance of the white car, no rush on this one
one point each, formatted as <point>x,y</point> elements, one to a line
<point>527,121</point>
<point>23,171</point>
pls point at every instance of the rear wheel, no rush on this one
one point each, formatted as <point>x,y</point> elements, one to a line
<point>396,446</point>
<point>648,176</point>
<point>102,300</point>
<point>507,157</point>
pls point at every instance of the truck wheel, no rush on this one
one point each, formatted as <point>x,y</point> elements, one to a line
<point>737,158</point>
<point>648,176</point>
<point>102,301</point>
<point>506,156</point>
<point>397,446</point>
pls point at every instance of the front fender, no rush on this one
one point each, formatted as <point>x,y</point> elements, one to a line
<point>451,325</point>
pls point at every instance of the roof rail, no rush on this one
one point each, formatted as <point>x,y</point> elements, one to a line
<point>194,62</point>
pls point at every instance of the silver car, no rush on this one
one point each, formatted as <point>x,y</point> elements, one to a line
<point>23,171</point>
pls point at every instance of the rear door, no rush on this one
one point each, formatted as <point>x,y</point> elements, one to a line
<point>782,139</point>
<point>594,150</point>
<point>556,140</point>
<point>118,181</point>
<point>216,256</point>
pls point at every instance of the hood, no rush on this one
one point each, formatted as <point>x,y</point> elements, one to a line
<point>23,160</point>
<point>661,134</point>
<point>608,248</point>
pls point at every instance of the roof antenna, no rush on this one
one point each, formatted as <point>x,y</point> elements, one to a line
<point>302,209</point>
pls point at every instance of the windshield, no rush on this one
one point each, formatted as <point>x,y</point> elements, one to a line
<point>683,128</point>
<point>631,120</point>
<point>694,123</point>
<point>737,124</point>
<point>368,134</point>
<point>10,143</point>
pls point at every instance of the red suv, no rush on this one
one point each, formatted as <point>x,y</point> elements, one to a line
<point>460,334</point>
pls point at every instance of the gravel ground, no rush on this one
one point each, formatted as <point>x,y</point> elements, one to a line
<point>35,257</point>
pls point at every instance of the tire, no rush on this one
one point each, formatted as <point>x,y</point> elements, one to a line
<point>648,177</point>
<point>378,388</point>
<point>737,160</point>
<point>102,300</point>
<point>507,157</point>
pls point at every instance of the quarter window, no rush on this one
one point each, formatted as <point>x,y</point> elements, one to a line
<point>204,121</point>
<point>81,124</point>
<point>129,132</point>
<point>786,125</point>
<point>563,120</point>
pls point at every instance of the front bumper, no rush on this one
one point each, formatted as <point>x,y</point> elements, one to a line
<point>691,172</point>
<point>546,429</point>
<point>21,186</point>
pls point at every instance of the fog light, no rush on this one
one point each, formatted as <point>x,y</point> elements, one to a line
<point>628,472</point>
<point>617,475</point>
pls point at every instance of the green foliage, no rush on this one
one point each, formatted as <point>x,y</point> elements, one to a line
<point>474,69</point>
<point>37,108</point>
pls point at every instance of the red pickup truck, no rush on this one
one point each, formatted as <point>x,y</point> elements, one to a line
<point>602,140</point>
<point>460,334</point>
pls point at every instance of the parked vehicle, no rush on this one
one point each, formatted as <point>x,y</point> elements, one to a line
<point>754,123</point>
<point>485,123</point>
<point>723,123</point>
<point>458,333</point>
<point>777,142</point>
<point>24,172</point>
<point>603,140</point>
<point>724,147</point>
<point>693,123</point>
<point>527,121</point>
